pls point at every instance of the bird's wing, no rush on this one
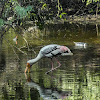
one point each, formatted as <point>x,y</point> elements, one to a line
<point>50,51</point>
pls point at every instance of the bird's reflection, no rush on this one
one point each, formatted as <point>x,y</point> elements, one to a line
<point>47,94</point>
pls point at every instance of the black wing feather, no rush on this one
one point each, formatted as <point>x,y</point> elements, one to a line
<point>49,50</point>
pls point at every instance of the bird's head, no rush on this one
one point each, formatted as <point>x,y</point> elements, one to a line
<point>28,65</point>
<point>31,62</point>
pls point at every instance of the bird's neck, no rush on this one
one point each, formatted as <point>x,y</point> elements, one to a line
<point>32,61</point>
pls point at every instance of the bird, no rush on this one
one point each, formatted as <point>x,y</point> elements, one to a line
<point>49,51</point>
<point>80,44</point>
<point>15,39</point>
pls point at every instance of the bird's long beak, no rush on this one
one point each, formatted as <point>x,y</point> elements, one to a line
<point>27,68</point>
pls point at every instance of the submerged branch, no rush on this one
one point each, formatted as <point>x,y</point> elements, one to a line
<point>12,48</point>
<point>23,30</point>
<point>20,50</point>
<point>26,43</point>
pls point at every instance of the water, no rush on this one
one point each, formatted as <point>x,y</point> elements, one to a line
<point>78,78</point>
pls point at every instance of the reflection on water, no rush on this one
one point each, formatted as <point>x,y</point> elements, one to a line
<point>46,93</point>
<point>78,78</point>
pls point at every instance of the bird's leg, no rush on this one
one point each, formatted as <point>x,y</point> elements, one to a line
<point>58,63</point>
<point>52,66</point>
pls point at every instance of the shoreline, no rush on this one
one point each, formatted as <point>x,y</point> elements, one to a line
<point>86,19</point>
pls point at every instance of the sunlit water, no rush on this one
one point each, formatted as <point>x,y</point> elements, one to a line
<point>78,78</point>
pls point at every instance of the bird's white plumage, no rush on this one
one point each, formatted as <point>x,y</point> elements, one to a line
<point>80,44</point>
<point>51,51</point>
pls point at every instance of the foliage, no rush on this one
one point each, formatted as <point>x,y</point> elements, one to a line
<point>91,1</point>
<point>42,10</point>
<point>44,6</point>
<point>21,12</point>
<point>29,8</point>
<point>62,14</point>
<point>1,22</point>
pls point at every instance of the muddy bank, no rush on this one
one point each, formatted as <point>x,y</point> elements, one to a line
<point>85,19</point>
<point>88,19</point>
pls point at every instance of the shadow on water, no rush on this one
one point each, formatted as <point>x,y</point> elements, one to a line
<point>78,78</point>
